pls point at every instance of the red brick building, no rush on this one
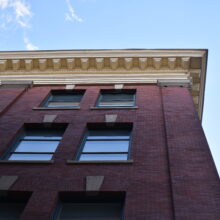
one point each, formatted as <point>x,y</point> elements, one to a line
<point>109,134</point>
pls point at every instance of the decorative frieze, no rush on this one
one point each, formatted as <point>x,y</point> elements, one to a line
<point>42,64</point>
<point>108,66</point>
<point>142,62</point>
<point>96,64</point>
<point>3,65</point>
<point>185,62</point>
<point>157,62</point>
<point>114,63</point>
<point>15,64</point>
<point>99,63</point>
<point>70,63</point>
<point>171,62</point>
<point>128,63</point>
<point>84,63</point>
<point>56,64</point>
<point>28,64</point>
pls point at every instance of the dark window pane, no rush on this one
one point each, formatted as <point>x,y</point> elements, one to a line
<point>66,98</point>
<point>86,211</point>
<point>11,211</point>
<point>116,99</point>
<point>109,133</point>
<point>44,133</point>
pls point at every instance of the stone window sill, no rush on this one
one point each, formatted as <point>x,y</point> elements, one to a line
<point>61,108</point>
<point>122,107</point>
<point>26,161</point>
<point>100,162</point>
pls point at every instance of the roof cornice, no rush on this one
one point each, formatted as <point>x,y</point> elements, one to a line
<point>108,66</point>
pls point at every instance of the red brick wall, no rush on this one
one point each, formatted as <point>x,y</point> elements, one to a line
<point>194,191</point>
<point>8,97</point>
<point>195,182</point>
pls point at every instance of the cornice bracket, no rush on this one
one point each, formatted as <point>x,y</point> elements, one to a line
<point>114,63</point>
<point>128,63</point>
<point>28,64</point>
<point>16,84</point>
<point>175,83</point>
<point>157,62</point>
<point>3,65</point>
<point>15,64</point>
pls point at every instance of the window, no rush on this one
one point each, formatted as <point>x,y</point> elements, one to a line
<point>105,144</point>
<point>64,99</point>
<point>36,144</point>
<point>11,210</point>
<point>113,98</point>
<point>12,205</point>
<point>90,207</point>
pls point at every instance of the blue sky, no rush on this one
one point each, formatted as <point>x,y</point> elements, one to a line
<point>118,24</point>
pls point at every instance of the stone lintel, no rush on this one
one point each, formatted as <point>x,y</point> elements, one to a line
<point>94,183</point>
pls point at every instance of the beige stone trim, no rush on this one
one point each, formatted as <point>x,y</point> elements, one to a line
<point>111,118</point>
<point>49,118</point>
<point>6,182</point>
<point>119,86</point>
<point>16,83</point>
<point>94,183</point>
<point>69,87</point>
<point>104,53</point>
<point>175,83</point>
<point>108,67</point>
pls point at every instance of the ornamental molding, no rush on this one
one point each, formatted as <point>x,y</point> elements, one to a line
<point>108,66</point>
<point>95,64</point>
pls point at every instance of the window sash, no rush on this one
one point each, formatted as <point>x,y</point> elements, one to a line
<point>30,156</point>
<point>119,103</point>
<point>65,97</point>
<point>116,99</point>
<point>59,99</point>
<point>37,146</point>
<point>103,156</point>
<point>106,146</point>
<point>62,104</point>
<point>88,211</point>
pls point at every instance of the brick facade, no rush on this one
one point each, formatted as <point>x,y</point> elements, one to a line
<point>172,175</point>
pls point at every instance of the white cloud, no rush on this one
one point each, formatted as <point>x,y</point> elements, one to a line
<point>71,15</point>
<point>29,45</point>
<point>17,10</point>
<point>4,3</point>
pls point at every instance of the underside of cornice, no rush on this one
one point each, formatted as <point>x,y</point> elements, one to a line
<point>107,66</point>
